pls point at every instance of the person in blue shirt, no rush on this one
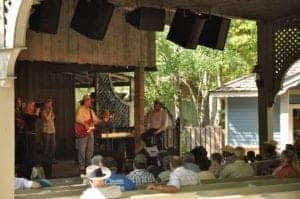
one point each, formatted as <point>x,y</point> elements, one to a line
<point>117,179</point>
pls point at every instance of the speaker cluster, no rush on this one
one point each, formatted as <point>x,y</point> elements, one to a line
<point>92,17</point>
<point>188,29</point>
<point>45,17</point>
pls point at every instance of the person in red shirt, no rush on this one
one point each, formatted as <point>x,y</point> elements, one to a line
<point>289,167</point>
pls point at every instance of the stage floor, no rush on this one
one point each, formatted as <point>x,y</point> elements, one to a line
<point>65,169</point>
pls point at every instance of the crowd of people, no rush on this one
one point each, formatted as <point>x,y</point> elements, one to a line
<point>165,171</point>
<point>169,172</point>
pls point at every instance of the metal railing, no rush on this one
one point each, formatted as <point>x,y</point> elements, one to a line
<point>210,137</point>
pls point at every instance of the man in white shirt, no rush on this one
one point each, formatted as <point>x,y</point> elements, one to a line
<point>179,177</point>
<point>157,119</point>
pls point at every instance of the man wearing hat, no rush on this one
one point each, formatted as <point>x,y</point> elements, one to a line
<point>157,119</point>
<point>96,176</point>
<point>86,117</point>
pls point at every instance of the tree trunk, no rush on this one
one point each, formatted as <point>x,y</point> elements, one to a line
<point>204,112</point>
<point>217,118</point>
<point>176,96</point>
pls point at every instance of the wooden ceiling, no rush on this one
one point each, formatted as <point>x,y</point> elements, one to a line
<point>245,9</point>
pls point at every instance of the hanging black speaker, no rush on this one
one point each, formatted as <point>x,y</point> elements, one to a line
<point>186,28</point>
<point>45,17</point>
<point>214,33</point>
<point>92,17</point>
<point>150,19</point>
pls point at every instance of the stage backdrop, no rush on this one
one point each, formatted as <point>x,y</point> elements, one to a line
<point>36,81</point>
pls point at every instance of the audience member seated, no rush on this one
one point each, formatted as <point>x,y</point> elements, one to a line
<point>22,183</point>
<point>239,168</point>
<point>154,169</point>
<point>97,160</point>
<point>289,167</point>
<point>189,162</point>
<point>97,177</point>
<point>228,154</point>
<point>216,164</point>
<point>201,158</point>
<point>140,176</point>
<point>127,166</point>
<point>164,176</point>
<point>258,157</point>
<point>206,174</point>
<point>270,160</point>
<point>269,151</point>
<point>179,177</point>
<point>290,147</point>
<point>297,143</point>
<point>116,179</point>
<point>250,157</point>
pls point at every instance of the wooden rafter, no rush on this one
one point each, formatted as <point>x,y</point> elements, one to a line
<point>247,9</point>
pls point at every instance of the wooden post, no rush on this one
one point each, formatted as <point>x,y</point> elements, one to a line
<point>265,82</point>
<point>139,100</point>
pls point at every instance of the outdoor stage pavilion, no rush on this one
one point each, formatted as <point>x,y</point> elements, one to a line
<point>26,56</point>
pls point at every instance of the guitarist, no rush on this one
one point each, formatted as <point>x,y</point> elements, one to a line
<point>85,142</point>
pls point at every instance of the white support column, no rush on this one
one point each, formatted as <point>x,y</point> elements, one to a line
<point>7,140</point>
<point>284,120</point>
<point>12,41</point>
<point>7,122</point>
<point>226,121</point>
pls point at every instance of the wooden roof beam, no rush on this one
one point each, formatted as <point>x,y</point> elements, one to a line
<point>244,9</point>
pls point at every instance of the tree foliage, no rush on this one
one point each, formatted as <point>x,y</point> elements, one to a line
<point>189,74</point>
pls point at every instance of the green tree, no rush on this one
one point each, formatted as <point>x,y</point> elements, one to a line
<point>188,75</point>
